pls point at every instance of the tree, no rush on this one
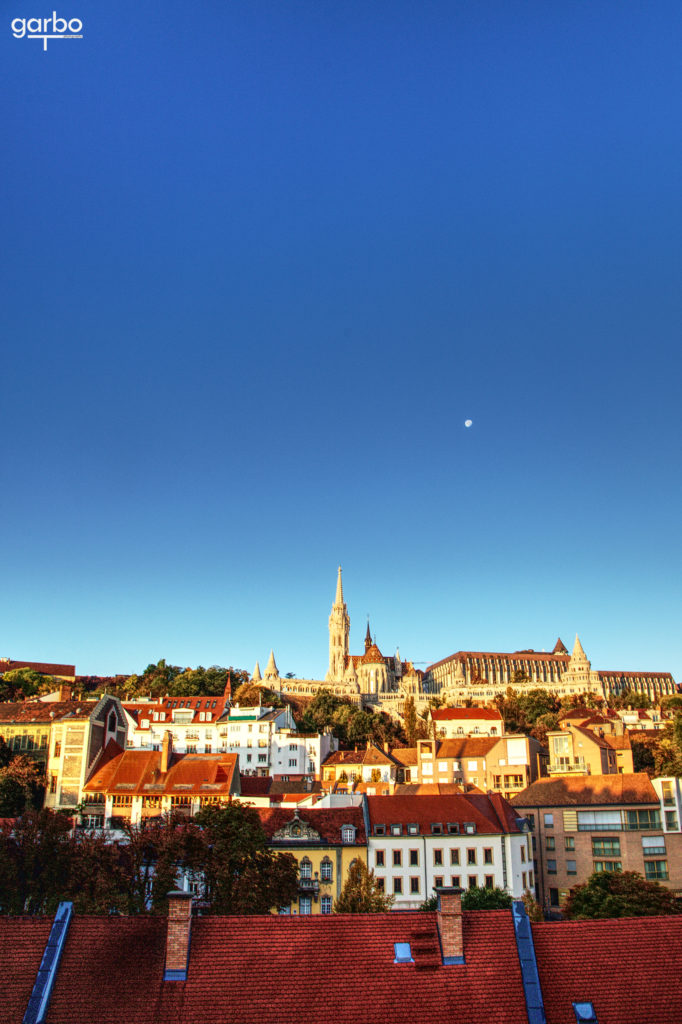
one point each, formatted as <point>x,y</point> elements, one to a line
<point>34,863</point>
<point>361,893</point>
<point>21,786</point>
<point>410,721</point>
<point>619,894</point>
<point>533,908</point>
<point>241,875</point>
<point>483,898</point>
<point>543,725</point>
<point>659,753</point>
<point>19,683</point>
<point>630,699</point>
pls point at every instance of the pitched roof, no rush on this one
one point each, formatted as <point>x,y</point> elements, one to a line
<point>405,755</point>
<point>562,659</point>
<point>44,711</point>
<point>45,668</point>
<point>367,755</point>
<point>467,746</point>
<point>372,656</point>
<point>465,714</point>
<point>138,772</point>
<point>212,708</point>
<point>328,821</point>
<point>627,788</point>
<point>487,814</point>
<point>629,968</point>
<point>336,969</point>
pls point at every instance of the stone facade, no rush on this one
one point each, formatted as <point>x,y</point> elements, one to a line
<point>482,675</point>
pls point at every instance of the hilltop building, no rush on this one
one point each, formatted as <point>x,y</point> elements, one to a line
<point>481,675</point>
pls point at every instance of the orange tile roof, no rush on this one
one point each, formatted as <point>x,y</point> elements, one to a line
<point>138,773</point>
<point>588,790</point>
<point>465,714</point>
<point>488,815</point>
<point>45,711</point>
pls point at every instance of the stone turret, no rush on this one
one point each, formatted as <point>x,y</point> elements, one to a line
<point>271,670</point>
<point>256,677</point>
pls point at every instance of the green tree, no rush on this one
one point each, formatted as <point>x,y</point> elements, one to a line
<point>536,703</point>
<point>543,725</point>
<point>19,683</point>
<point>242,876</point>
<point>631,699</point>
<point>619,894</point>
<point>34,863</point>
<point>361,893</point>
<point>410,721</point>
<point>21,786</point>
<point>482,898</point>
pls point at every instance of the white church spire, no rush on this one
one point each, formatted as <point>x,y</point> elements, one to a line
<point>271,670</point>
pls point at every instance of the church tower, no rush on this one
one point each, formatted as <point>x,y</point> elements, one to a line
<point>339,630</point>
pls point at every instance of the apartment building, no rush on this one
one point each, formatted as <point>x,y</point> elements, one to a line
<point>416,844</point>
<point>452,722</point>
<point>594,823</point>
<point>506,765</point>
<point>265,738</point>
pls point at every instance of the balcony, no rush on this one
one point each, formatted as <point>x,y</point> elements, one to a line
<point>309,885</point>
<point>566,767</point>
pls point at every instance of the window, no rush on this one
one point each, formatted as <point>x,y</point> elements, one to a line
<point>523,854</point>
<point>403,953</point>
<point>248,757</point>
<point>57,748</point>
<point>454,856</point>
<point>413,829</point>
<point>380,884</point>
<point>438,882</point>
<point>455,881</point>
<point>348,834</point>
<point>396,830</point>
<point>305,905</point>
<point>489,881</point>
<point>668,795</point>
<point>569,842</point>
<point>607,865</point>
<point>379,830</point>
<point>436,829</point>
<point>306,868</point>
<point>53,783</point>
<point>554,897</point>
<point>473,882</point>
<point>326,871</point>
<point>571,867</point>
<point>653,846</point>
<point>470,828</point>
<point>606,847</point>
<point>471,856</point>
<point>397,858</point>
<point>549,842</point>
<point>549,820</point>
<point>655,870</point>
<point>397,886</point>
<point>551,867</point>
<point>292,762</point>
<point>671,821</point>
<point>488,855</point>
<point>414,885</point>
<point>326,905</point>
<point>523,880</point>
<point>453,828</point>
<point>438,858</point>
<point>380,858</point>
<point>584,1013</point>
<point>262,758</point>
<point>644,820</point>
<point>414,858</point>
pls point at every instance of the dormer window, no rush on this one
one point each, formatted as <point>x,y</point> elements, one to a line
<point>396,830</point>
<point>403,953</point>
<point>348,834</point>
<point>379,830</point>
<point>453,828</point>
<point>470,828</point>
<point>436,829</point>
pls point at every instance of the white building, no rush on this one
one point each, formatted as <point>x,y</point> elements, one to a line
<point>418,843</point>
<point>265,738</point>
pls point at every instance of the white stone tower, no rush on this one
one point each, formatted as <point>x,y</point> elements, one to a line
<point>339,632</point>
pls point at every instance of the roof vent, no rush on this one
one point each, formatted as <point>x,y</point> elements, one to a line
<point>403,953</point>
<point>584,1013</point>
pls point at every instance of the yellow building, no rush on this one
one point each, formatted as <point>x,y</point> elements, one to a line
<point>325,842</point>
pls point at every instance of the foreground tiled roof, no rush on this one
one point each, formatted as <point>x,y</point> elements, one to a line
<point>275,970</point>
<point>628,968</point>
<point>588,789</point>
<point>488,813</point>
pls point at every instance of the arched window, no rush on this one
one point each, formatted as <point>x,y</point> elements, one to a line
<point>306,868</point>
<point>326,870</point>
<point>348,834</point>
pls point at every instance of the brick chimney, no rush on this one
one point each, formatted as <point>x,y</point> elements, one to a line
<point>450,924</point>
<point>178,935</point>
<point>166,750</point>
<point>64,691</point>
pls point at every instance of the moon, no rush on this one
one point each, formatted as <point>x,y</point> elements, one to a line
<point>467,423</point>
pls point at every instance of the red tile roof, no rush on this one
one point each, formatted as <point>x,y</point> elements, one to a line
<point>45,711</point>
<point>628,968</point>
<point>45,668</point>
<point>328,821</point>
<point>144,711</point>
<point>22,944</point>
<point>562,659</point>
<point>488,814</point>
<point>588,789</point>
<point>465,714</point>
<point>265,970</point>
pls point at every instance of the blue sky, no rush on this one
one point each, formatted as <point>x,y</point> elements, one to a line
<point>260,262</point>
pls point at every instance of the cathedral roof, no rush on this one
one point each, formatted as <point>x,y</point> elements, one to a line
<point>373,656</point>
<point>560,647</point>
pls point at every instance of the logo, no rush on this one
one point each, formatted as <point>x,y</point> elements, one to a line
<point>47,28</point>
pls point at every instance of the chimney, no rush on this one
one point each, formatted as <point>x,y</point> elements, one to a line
<point>64,691</point>
<point>166,750</point>
<point>178,935</point>
<point>387,747</point>
<point>450,924</point>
